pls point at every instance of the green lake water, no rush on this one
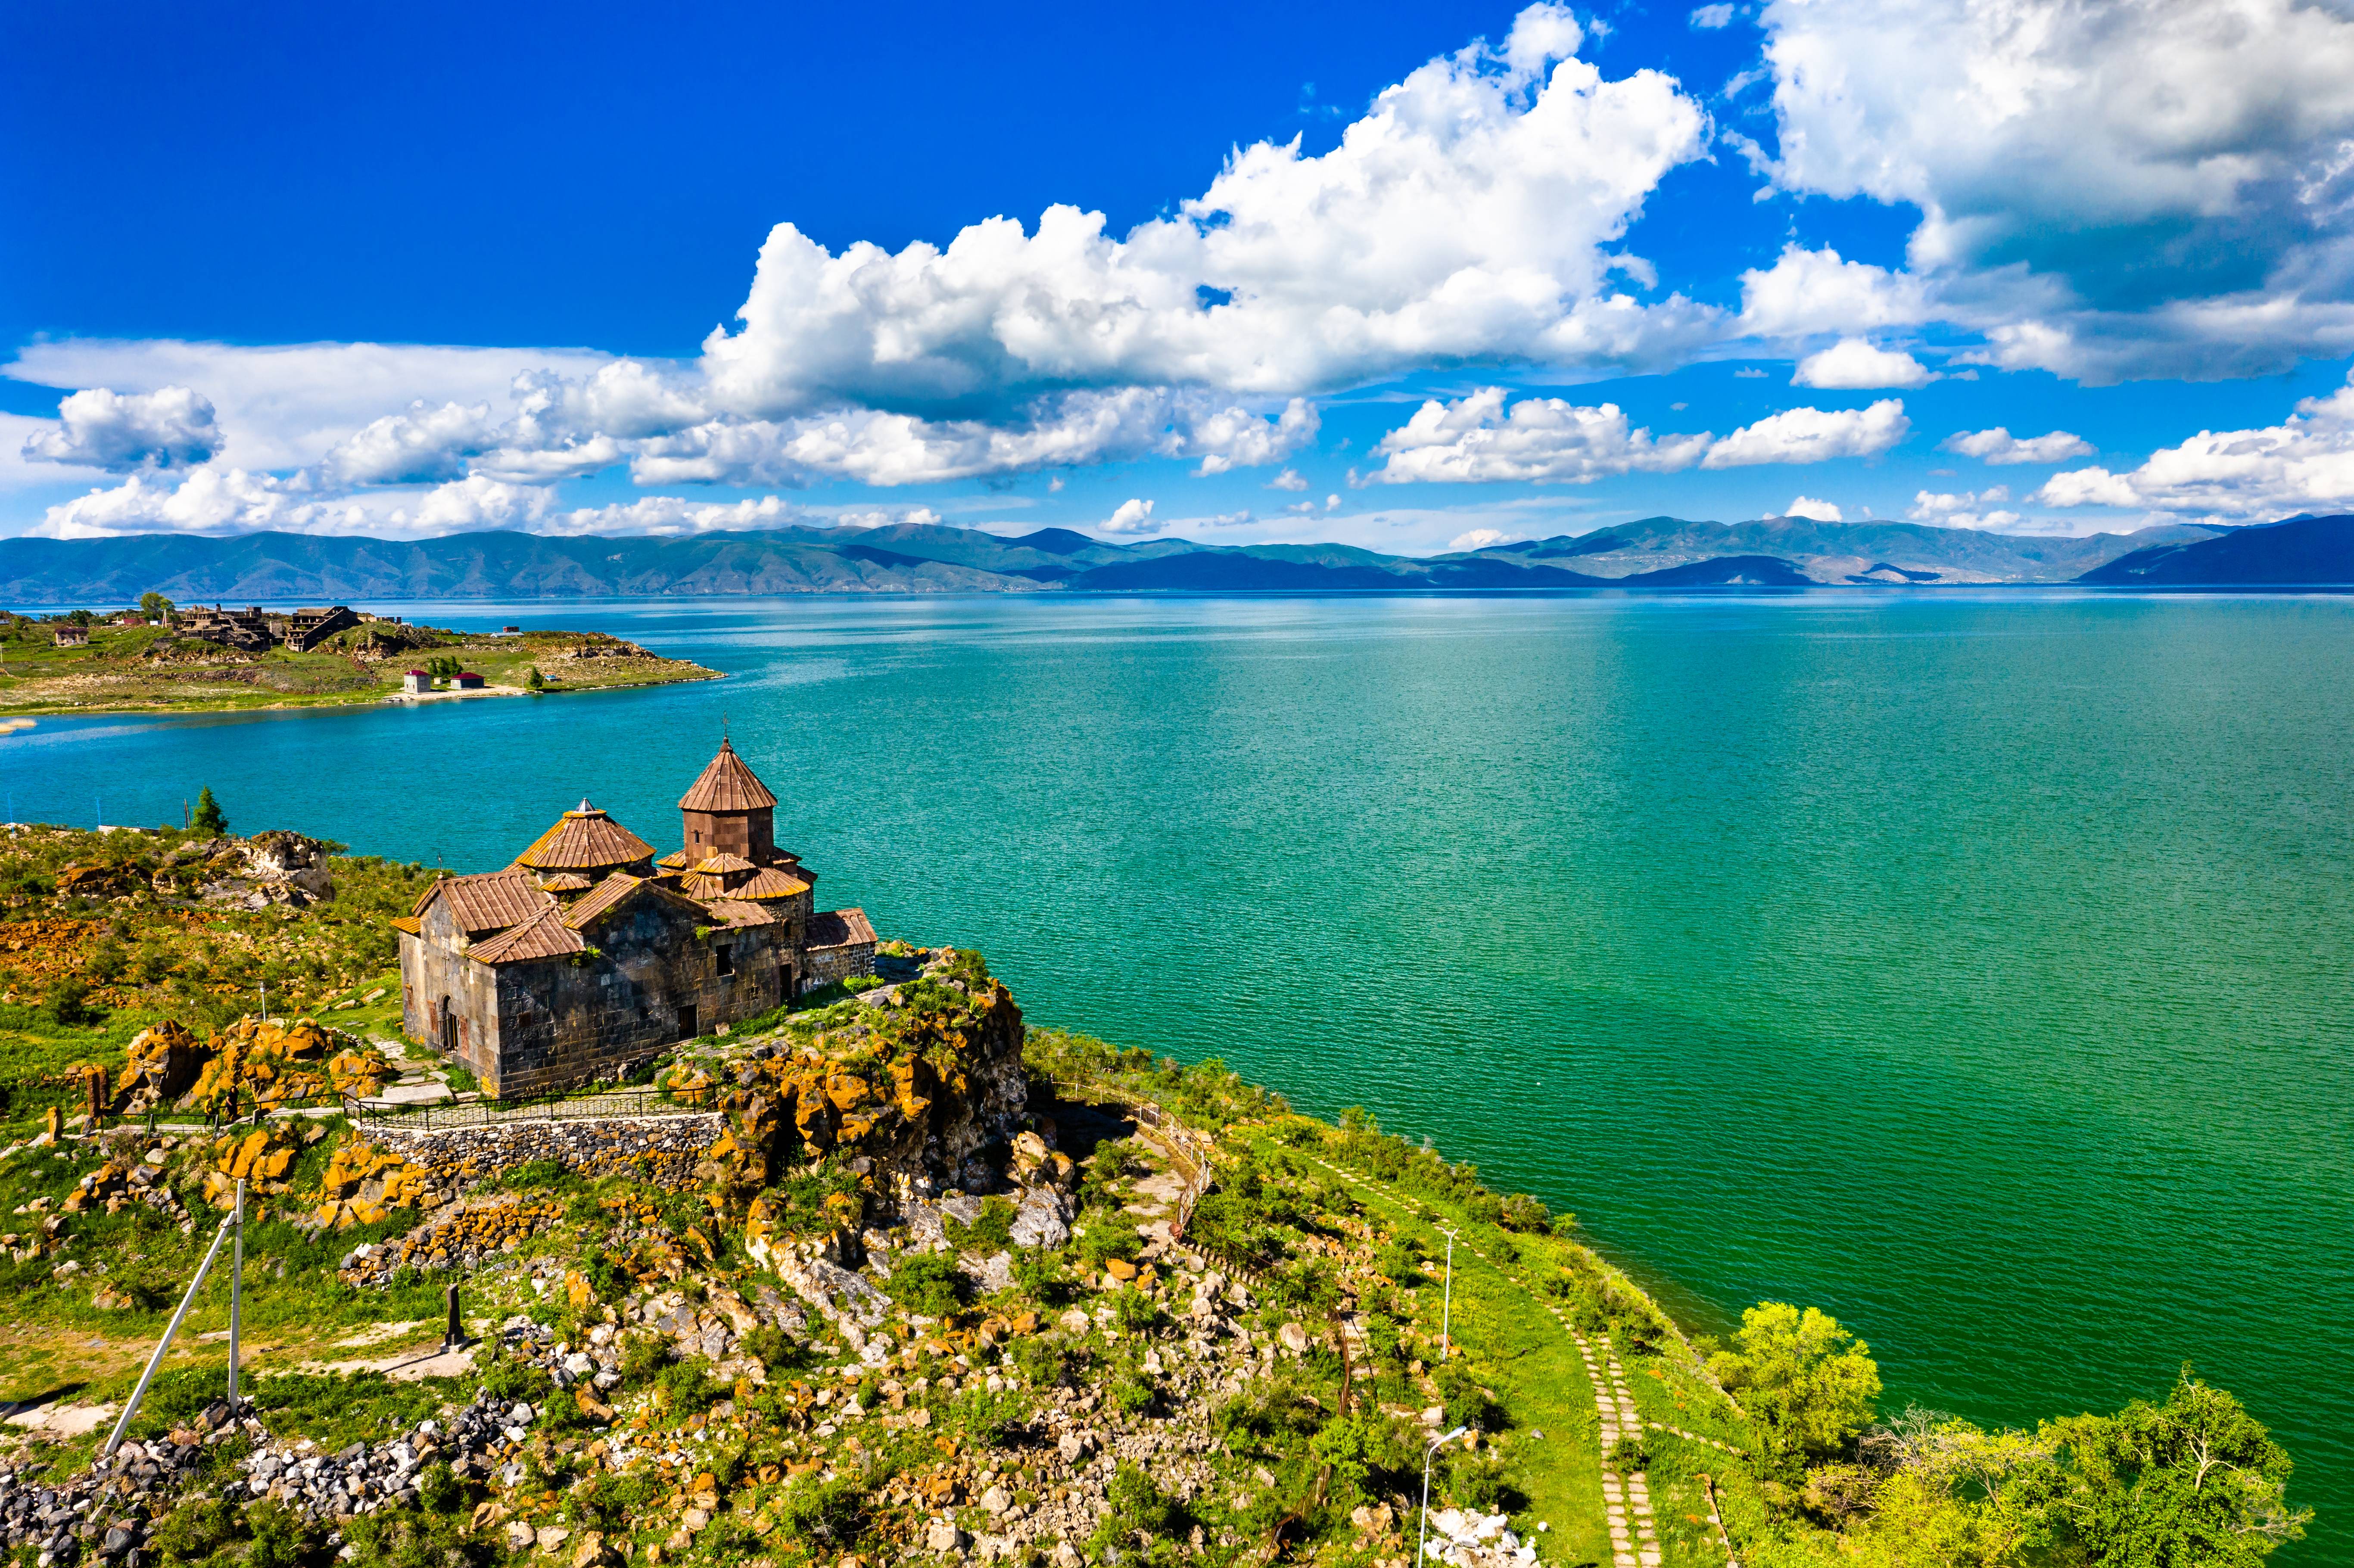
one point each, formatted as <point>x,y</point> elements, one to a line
<point>1973,967</point>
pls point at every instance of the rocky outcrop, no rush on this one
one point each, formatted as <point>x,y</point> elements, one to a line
<point>276,1061</point>
<point>920,1093</point>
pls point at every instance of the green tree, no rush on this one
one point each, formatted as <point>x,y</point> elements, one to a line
<point>209,819</point>
<point>535,681</point>
<point>154,605</point>
<point>2195,1480</point>
<point>1809,1382</point>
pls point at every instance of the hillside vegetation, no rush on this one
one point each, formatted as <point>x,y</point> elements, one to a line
<point>932,1284</point>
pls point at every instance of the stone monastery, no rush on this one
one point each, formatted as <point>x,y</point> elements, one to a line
<point>586,956</point>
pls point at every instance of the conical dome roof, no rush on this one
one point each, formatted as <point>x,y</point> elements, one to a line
<point>585,840</point>
<point>727,785</point>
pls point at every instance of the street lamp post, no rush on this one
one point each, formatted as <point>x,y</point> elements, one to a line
<point>1446,1304</point>
<point>1422,1530</point>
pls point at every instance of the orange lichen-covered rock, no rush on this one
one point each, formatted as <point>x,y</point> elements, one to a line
<point>364,1183</point>
<point>279,1062</point>
<point>163,1061</point>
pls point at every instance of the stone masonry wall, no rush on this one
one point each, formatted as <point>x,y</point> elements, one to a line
<point>668,1144</point>
<point>823,966</point>
<point>561,1022</point>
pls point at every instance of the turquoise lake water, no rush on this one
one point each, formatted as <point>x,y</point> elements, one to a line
<point>1974,968</point>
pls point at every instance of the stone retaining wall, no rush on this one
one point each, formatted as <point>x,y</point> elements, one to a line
<point>661,1149</point>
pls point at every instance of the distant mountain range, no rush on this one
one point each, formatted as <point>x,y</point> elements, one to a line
<point>1657,551</point>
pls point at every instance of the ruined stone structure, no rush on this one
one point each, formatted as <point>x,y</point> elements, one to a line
<point>306,628</point>
<point>585,956</point>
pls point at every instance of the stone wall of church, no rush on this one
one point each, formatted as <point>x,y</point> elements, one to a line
<point>560,1023</point>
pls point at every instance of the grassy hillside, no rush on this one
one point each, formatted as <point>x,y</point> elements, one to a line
<point>150,668</point>
<point>946,1287</point>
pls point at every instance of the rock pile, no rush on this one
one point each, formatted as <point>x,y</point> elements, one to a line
<point>926,1089</point>
<point>126,1180</point>
<point>1474,1540</point>
<point>163,1063</point>
<point>103,1512</point>
<point>458,1240</point>
<point>263,1158</point>
<point>477,1443</point>
<point>275,867</point>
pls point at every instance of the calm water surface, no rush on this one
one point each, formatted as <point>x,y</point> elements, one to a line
<point>1973,968</point>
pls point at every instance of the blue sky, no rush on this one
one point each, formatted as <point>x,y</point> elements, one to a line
<point>1409,277</point>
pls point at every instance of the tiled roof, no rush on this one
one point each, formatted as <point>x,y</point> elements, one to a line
<point>723,863</point>
<point>695,884</point>
<point>609,892</point>
<point>734,912</point>
<point>544,935</point>
<point>585,840</point>
<point>727,785</point>
<point>770,884</point>
<point>612,892</point>
<point>407,923</point>
<point>565,882</point>
<point>491,901</point>
<point>839,928</point>
<point>677,860</point>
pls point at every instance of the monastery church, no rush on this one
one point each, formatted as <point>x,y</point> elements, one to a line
<point>587,956</point>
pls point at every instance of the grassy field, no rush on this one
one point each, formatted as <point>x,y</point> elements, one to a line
<point>146,669</point>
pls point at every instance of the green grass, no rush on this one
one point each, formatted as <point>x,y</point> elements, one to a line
<point>1514,1347</point>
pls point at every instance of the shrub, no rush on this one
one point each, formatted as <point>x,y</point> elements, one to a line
<point>1107,1239</point>
<point>1135,1312</point>
<point>927,1284</point>
<point>831,1512</point>
<point>991,1233</point>
<point>67,1003</point>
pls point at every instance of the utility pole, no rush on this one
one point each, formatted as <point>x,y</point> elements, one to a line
<point>236,1292</point>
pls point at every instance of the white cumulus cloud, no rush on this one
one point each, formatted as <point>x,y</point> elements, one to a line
<point>1810,292</point>
<point>2107,190</point>
<point>1484,538</point>
<point>1477,438</point>
<point>1999,446</point>
<point>421,445</point>
<point>2304,463</point>
<point>1965,510</point>
<point>1814,511</point>
<point>1467,214</point>
<point>233,500</point>
<point>1853,364</point>
<point>173,427</point>
<point>1813,435</point>
<point>1131,516</point>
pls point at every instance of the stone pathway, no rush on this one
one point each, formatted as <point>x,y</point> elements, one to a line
<point>1627,1499</point>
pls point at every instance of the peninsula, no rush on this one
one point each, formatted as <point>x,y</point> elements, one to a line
<point>160,658</point>
<point>854,1264</point>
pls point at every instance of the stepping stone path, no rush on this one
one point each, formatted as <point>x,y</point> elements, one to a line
<point>1625,1499</point>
